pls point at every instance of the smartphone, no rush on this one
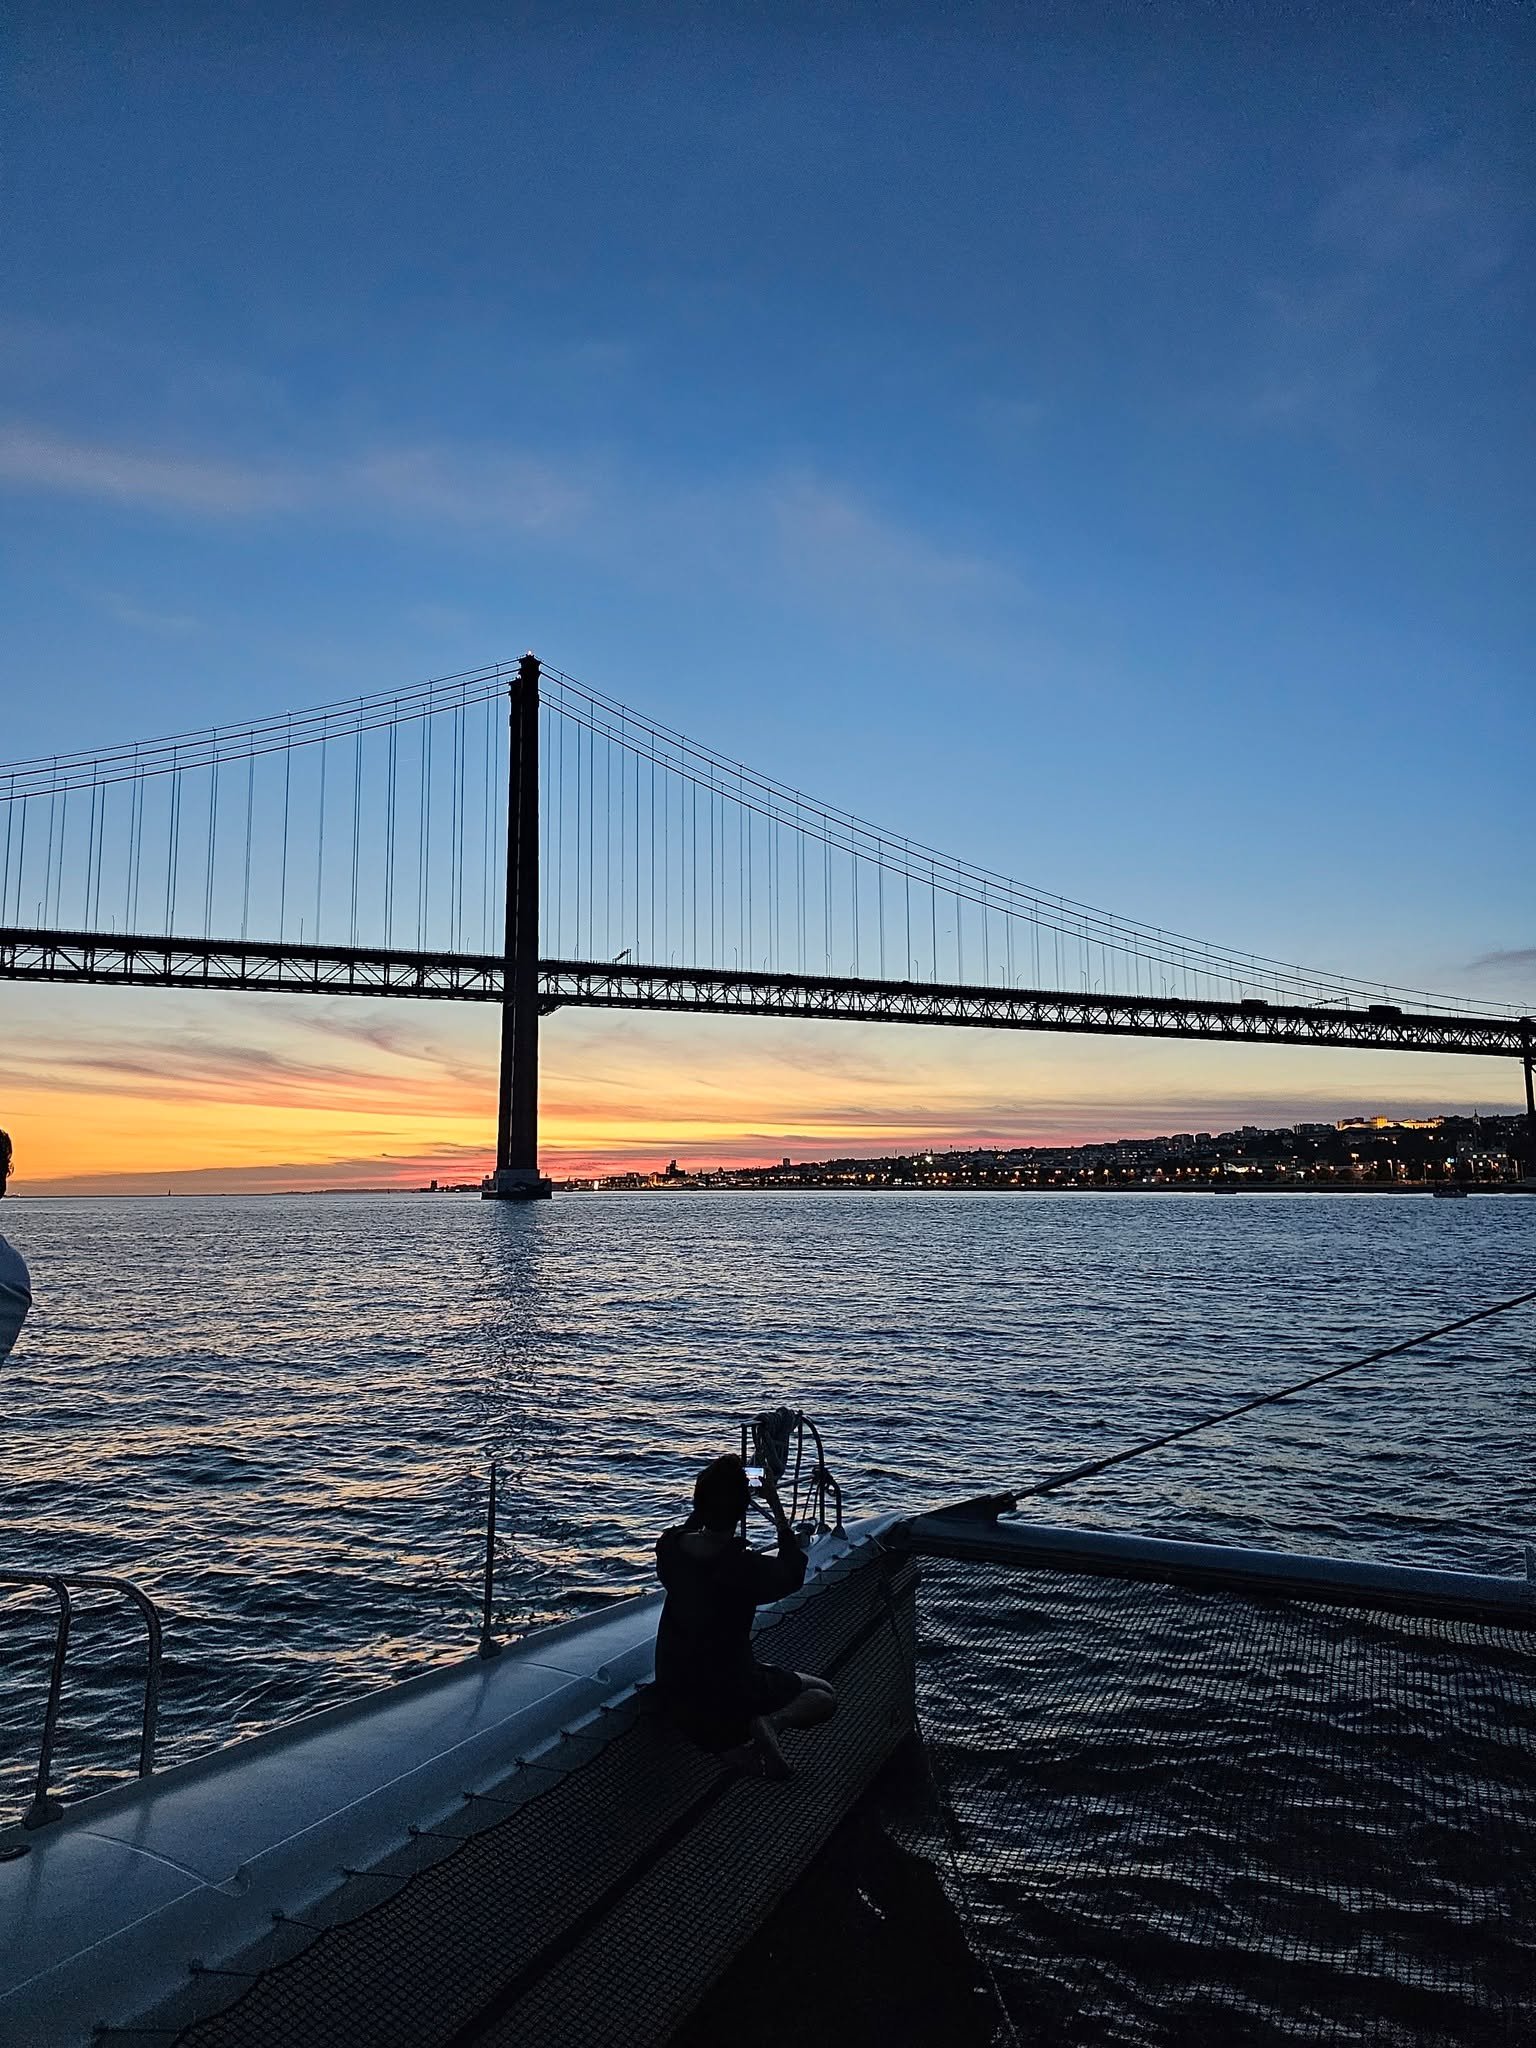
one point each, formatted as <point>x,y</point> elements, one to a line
<point>754,1477</point>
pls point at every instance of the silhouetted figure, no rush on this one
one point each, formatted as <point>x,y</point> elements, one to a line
<point>15,1281</point>
<point>709,1682</point>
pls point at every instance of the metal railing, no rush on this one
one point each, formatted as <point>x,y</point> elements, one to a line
<point>44,1806</point>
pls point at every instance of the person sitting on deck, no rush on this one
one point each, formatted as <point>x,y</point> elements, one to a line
<point>709,1683</point>
<point>15,1281</point>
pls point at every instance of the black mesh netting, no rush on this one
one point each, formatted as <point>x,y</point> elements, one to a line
<point>1185,1816</point>
<point>1142,1815</point>
<point>587,1903</point>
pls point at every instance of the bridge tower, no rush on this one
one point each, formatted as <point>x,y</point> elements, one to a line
<point>517,1177</point>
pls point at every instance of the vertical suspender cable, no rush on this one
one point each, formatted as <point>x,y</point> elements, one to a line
<point>173,847</point>
<point>250,808</point>
<point>10,807</point>
<point>58,885</point>
<point>461,740</point>
<point>545,813</point>
<point>607,846</point>
<point>576,937</point>
<point>880,898</point>
<point>90,856</point>
<point>282,886</point>
<point>906,876</point>
<point>623,828</point>
<point>357,810</point>
<point>325,747</point>
<point>710,800</point>
<point>800,885</point>
<point>485,825</point>
<point>21,855</point>
<point>741,866</point>
<point>56,872</point>
<point>560,946</point>
<point>213,837</point>
<point>826,890</point>
<point>422,759</point>
<point>53,813</point>
<point>853,846</point>
<point>389,826</point>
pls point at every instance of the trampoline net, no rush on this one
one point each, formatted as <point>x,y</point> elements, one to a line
<point>1167,1815</point>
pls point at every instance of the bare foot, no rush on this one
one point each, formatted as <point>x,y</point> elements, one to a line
<point>772,1757</point>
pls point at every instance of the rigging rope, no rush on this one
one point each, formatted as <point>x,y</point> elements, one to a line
<point>1156,1443</point>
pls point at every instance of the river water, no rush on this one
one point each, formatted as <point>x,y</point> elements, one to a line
<point>277,1413</point>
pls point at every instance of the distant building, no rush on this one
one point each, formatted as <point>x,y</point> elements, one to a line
<point>1364,1126</point>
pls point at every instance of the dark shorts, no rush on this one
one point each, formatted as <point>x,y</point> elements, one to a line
<point>726,1724</point>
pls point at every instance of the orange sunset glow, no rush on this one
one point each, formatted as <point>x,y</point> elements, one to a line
<point>135,1091</point>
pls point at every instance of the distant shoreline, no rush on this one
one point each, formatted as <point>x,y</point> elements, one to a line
<point>1254,1187</point>
<point>1247,1187</point>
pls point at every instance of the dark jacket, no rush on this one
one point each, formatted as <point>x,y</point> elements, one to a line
<point>704,1659</point>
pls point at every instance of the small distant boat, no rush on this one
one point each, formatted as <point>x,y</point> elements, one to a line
<point>1449,1191</point>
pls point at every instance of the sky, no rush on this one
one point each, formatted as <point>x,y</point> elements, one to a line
<point>1094,439</point>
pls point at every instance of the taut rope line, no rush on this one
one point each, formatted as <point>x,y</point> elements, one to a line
<point>1317,1379</point>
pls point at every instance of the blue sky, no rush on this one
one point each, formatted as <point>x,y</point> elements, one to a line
<point>1101,435</point>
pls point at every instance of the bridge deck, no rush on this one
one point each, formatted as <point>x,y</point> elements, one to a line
<point>293,969</point>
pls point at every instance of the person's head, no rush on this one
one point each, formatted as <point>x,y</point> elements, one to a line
<point>720,1493</point>
<point>5,1159</point>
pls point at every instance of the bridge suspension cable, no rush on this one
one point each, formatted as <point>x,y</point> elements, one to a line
<point>378,820</point>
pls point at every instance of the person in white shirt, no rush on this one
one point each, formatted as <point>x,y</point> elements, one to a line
<point>15,1281</point>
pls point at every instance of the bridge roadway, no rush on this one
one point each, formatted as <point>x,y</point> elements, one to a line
<point>293,969</point>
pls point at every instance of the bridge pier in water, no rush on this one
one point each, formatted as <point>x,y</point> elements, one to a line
<point>517,1177</point>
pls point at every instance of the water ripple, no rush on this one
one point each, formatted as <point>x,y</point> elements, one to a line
<point>277,1414</point>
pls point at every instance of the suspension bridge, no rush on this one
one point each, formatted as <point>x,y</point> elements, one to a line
<point>509,835</point>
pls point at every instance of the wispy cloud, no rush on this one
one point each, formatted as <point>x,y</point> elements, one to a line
<point>500,490</point>
<point>792,532</point>
<point>1517,960</point>
<point>507,490</point>
<point>146,618</point>
<point>1410,226</point>
<point>126,476</point>
<point>1018,416</point>
<point>834,542</point>
<point>306,1071</point>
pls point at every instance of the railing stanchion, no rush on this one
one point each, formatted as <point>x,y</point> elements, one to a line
<point>489,1647</point>
<point>152,1631</point>
<point>43,1809</point>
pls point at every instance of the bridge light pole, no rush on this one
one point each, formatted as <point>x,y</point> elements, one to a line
<point>517,1177</point>
<point>1527,1053</point>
